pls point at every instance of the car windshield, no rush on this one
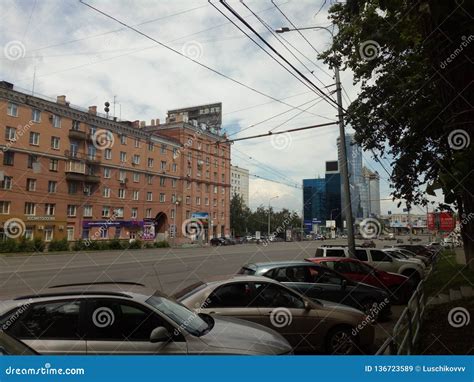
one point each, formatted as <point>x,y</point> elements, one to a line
<point>182,316</point>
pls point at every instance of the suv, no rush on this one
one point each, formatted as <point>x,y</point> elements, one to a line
<point>125,318</point>
<point>378,259</point>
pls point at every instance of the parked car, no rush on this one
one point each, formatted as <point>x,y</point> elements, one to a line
<point>318,282</point>
<point>11,346</point>
<point>419,249</point>
<point>216,241</point>
<point>368,244</point>
<point>406,254</point>
<point>229,241</point>
<point>308,325</point>
<point>378,259</point>
<point>398,286</point>
<point>121,318</point>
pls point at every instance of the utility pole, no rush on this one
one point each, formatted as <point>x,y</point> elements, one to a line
<point>409,225</point>
<point>344,169</point>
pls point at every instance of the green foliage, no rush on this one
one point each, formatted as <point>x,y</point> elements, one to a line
<point>162,244</point>
<point>79,245</point>
<point>115,244</point>
<point>136,244</point>
<point>8,245</point>
<point>39,244</point>
<point>58,245</point>
<point>25,245</point>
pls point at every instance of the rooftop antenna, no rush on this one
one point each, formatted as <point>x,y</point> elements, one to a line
<point>115,97</point>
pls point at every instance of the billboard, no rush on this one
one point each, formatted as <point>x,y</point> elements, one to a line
<point>441,221</point>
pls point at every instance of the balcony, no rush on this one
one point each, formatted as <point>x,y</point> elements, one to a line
<point>93,159</point>
<point>75,176</point>
<point>92,178</point>
<point>77,135</point>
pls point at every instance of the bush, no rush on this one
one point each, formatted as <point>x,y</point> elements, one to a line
<point>39,244</point>
<point>162,244</point>
<point>136,244</point>
<point>79,245</point>
<point>8,245</point>
<point>26,245</point>
<point>58,245</point>
<point>149,245</point>
<point>114,244</point>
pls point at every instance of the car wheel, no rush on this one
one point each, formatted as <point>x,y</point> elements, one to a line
<point>340,341</point>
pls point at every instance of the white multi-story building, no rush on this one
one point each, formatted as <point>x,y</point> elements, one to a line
<point>371,193</point>
<point>239,182</point>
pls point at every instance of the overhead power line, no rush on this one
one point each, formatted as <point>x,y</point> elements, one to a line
<point>215,71</point>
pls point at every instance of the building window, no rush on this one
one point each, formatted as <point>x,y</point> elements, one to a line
<point>149,196</point>
<point>134,213</point>
<point>198,200</point>
<point>215,189</point>
<point>72,188</point>
<point>107,172</point>
<point>4,208</point>
<point>214,202</point>
<point>162,197</point>
<point>150,162</point>
<point>173,198</point>
<point>163,149</point>
<point>76,125</point>
<point>55,143</point>
<point>137,143</point>
<point>30,184</point>
<point>121,193</point>
<point>163,165</point>
<point>34,138</point>
<point>222,202</point>
<point>56,121</point>
<point>175,152</point>
<point>122,176</point>
<point>149,179</point>
<point>148,213</point>
<point>188,200</point>
<point>30,208</point>
<point>12,109</point>
<point>118,212</point>
<point>87,211</point>
<point>29,233</point>
<point>52,186</point>
<point>103,232</point>
<point>105,211</point>
<point>48,234</point>
<point>174,167</point>
<point>173,183</point>
<point>71,210</point>
<point>36,115</point>
<point>136,194</point>
<point>136,177</point>
<point>188,214</point>
<point>172,214</point>
<point>123,156</point>
<point>10,133</point>
<point>136,159</point>
<point>162,181</point>
<point>32,160</point>
<point>8,158</point>
<point>108,154</point>
<point>49,209</point>
<point>53,165</point>
<point>70,233</point>
<point>6,183</point>
<point>206,201</point>
<point>106,192</point>
<point>151,146</point>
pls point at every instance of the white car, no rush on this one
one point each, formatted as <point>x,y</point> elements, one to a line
<point>401,253</point>
<point>379,260</point>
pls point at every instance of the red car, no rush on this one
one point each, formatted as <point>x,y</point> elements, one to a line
<point>399,286</point>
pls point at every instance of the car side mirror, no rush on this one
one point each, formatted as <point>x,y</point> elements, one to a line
<point>160,334</point>
<point>343,284</point>
<point>307,305</point>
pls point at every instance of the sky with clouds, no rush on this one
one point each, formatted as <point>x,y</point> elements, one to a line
<point>70,49</point>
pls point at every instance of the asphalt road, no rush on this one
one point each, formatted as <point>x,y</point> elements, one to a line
<point>166,269</point>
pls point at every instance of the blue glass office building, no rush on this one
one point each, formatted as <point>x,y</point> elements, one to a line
<point>314,202</point>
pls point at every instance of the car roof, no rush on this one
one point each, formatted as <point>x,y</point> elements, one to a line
<point>131,291</point>
<point>276,264</point>
<point>332,259</point>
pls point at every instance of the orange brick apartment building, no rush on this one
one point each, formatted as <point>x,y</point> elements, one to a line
<point>67,172</point>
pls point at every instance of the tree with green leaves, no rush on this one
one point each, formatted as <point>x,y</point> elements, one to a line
<point>239,215</point>
<point>414,63</point>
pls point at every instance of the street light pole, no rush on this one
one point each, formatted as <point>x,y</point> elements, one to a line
<point>342,139</point>
<point>269,214</point>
